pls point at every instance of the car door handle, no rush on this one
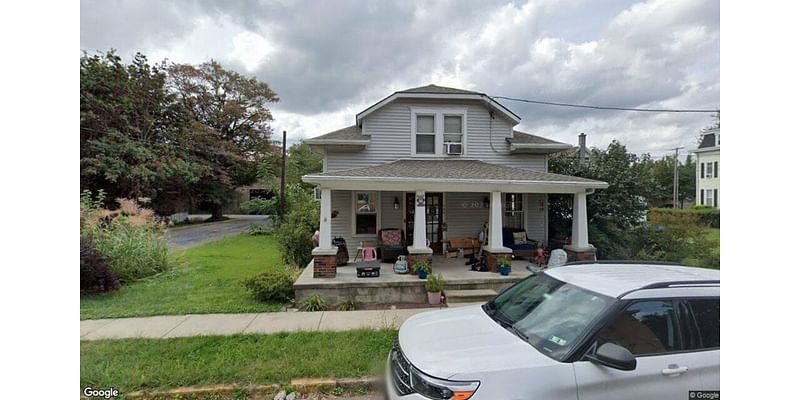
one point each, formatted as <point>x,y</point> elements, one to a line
<point>673,370</point>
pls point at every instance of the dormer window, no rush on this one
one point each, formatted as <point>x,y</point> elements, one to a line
<point>438,132</point>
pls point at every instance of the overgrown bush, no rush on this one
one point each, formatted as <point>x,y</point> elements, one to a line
<point>703,215</point>
<point>129,238</point>
<point>272,286</point>
<point>611,242</point>
<point>349,304</point>
<point>682,243</point>
<point>259,206</point>
<point>96,277</point>
<point>295,231</point>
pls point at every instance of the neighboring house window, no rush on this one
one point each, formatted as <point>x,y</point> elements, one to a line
<point>514,211</point>
<point>366,213</point>
<point>702,197</point>
<point>716,169</point>
<point>426,134</point>
<point>710,198</point>
<point>709,170</point>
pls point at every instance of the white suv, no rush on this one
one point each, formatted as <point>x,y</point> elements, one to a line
<point>582,331</point>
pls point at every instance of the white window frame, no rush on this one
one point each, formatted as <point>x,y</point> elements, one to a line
<point>709,170</point>
<point>378,206</point>
<point>524,209</point>
<point>709,200</point>
<point>438,124</point>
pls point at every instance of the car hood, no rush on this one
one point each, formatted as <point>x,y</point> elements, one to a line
<point>464,341</point>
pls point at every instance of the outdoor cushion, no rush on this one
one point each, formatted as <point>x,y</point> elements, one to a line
<point>391,238</point>
<point>520,238</point>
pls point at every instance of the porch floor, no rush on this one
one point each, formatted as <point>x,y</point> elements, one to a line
<point>390,287</point>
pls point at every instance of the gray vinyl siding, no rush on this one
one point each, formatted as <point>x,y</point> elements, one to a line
<point>391,218</point>
<point>461,216</point>
<point>536,217</point>
<point>390,137</point>
<point>341,226</point>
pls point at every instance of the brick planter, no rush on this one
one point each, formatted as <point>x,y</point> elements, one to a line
<point>413,258</point>
<point>491,260</point>
<point>580,254</point>
<point>325,266</point>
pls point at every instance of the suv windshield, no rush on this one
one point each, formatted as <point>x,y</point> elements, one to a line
<point>551,315</point>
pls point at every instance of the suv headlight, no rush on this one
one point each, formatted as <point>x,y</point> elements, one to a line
<point>436,388</point>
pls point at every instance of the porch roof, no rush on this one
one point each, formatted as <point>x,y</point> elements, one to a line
<point>451,175</point>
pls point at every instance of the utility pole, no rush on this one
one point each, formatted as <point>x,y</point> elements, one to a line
<point>675,181</point>
<point>283,180</point>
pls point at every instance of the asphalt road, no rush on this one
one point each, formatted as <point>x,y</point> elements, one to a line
<point>184,237</point>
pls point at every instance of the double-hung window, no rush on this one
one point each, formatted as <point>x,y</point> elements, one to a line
<point>514,211</point>
<point>365,210</point>
<point>438,132</point>
<point>425,138</point>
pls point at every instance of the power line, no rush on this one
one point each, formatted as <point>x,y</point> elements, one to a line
<point>660,110</point>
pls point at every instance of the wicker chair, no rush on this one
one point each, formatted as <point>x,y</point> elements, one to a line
<point>391,243</point>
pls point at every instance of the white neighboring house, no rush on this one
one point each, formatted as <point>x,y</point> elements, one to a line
<point>431,159</point>
<point>708,161</point>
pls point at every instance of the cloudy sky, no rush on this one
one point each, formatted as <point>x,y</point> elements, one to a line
<point>328,60</point>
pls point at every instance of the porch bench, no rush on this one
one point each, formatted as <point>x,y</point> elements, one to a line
<point>468,244</point>
<point>526,250</point>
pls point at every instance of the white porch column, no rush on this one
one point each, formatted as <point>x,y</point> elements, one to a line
<point>496,225</point>
<point>420,235</point>
<point>580,224</point>
<point>324,222</point>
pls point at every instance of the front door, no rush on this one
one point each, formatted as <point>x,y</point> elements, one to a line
<point>433,219</point>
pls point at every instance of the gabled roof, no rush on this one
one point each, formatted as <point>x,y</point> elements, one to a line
<point>437,89</point>
<point>439,92</point>
<point>522,142</point>
<point>440,173</point>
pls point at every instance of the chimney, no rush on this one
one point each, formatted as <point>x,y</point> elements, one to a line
<point>583,152</point>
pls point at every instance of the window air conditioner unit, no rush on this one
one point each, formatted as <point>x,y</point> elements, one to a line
<point>453,148</point>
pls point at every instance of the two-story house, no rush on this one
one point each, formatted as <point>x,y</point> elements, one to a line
<point>708,159</point>
<point>435,162</point>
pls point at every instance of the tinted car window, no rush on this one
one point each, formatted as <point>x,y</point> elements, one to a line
<point>647,327</point>
<point>706,316</point>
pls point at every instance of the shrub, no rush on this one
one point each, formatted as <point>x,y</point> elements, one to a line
<point>348,305</point>
<point>313,303</point>
<point>703,215</point>
<point>295,231</point>
<point>611,242</point>
<point>129,238</point>
<point>434,284</point>
<point>96,277</point>
<point>259,206</point>
<point>274,285</point>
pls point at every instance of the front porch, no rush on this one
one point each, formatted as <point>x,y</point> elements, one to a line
<point>391,288</point>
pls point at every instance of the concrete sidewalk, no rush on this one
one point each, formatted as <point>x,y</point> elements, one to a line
<point>170,326</point>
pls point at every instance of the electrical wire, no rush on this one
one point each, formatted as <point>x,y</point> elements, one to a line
<point>660,110</point>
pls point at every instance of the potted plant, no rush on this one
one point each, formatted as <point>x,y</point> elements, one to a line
<point>505,266</point>
<point>434,287</point>
<point>422,268</point>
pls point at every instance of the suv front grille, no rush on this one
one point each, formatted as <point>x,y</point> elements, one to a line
<point>400,370</point>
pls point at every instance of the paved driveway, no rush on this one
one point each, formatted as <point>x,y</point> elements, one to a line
<point>183,237</point>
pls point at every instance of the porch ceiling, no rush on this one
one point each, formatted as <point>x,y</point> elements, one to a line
<point>452,176</point>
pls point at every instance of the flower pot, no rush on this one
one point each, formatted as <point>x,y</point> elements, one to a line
<point>434,298</point>
<point>422,274</point>
<point>505,270</point>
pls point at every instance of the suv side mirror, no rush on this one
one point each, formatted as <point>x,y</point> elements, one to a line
<point>614,356</point>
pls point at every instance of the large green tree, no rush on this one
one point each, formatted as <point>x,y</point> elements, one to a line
<point>182,135</point>
<point>612,211</point>
<point>235,111</point>
<point>662,178</point>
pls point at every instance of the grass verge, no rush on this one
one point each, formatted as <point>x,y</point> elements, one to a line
<point>207,280</point>
<point>148,364</point>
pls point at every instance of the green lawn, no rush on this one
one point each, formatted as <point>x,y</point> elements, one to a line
<point>207,280</point>
<point>136,364</point>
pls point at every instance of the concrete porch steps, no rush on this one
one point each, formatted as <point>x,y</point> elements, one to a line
<point>469,296</point>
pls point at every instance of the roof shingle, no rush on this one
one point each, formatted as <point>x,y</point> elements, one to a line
<point>454,170</point>
<point>352,132</point>
<point>437,89</point>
